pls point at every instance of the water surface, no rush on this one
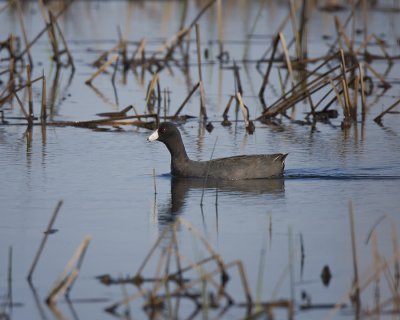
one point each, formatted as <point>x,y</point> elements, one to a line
<point>106,178</point>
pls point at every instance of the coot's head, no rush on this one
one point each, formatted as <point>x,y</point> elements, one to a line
<point>165,131</point>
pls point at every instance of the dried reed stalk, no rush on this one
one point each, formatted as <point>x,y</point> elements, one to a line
<point>102,68</point>
<point>150,92</point>
<point>337,93</point>
<point>342,35</point>
<point>30,95</point>
<point>70,273</point>
<point>346,98</point>
<point>237,78</point>
<point>69,55</point>
<point>220,24</point>
<point>170,44</point>
<point>244,109</point>
<point>203,111</point>
<point>48,20</point>
<point>355,97</point>
<point>149,255</point>
<point>21,105</point>
<point>137,54</point>
<point>315,85</point>
<point>117,114</point>
<point>363,98</point>
<point>9,276</point>
<point>202,11</point>
<point>378,119</point>
<point>304,82</point>
<point>48,26</point>
<point>44,239</point>
<point>356,293</point>
<point>43,112</point>
<point>228,106</point>
<point>287,57</point>
<point>266,76</point>
<point>303,30</point>
<point>15,90</point>
<point>104,122</point>
<point>22,23</point>
<point>385,84</point>
<point>187,99</point>
<point>345,86</point>
<point>292,11</point>
<point>376,262</point>
<point>279,29</point>
<point>115,71</point>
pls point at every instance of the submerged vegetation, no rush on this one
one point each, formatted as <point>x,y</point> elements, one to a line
<point>344,82</point>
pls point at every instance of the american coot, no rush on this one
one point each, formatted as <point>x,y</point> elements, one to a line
<point>231,168</point>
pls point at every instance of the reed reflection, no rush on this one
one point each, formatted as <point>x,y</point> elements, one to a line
<point>182,187</point>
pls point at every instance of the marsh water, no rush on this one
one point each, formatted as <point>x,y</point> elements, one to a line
<point>107,183</point>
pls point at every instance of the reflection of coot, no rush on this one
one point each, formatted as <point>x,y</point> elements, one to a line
<point>181,187</point>
<point>232,168</point>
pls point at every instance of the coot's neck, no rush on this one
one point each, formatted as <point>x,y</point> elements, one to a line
<point>176,148</point>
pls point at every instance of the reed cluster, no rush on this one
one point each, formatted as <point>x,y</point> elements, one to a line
<point>343,77</point>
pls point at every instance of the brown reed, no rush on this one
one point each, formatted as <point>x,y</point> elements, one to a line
<point>44,240</point>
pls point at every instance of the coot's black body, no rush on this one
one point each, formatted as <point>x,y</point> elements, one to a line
<point>231,168</point>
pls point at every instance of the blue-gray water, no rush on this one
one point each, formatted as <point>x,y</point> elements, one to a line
<point>106,178</point>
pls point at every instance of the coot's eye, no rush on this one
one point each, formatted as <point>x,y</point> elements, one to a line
<point>163,129</point>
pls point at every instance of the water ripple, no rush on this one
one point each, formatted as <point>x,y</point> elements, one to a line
<point>338,174</point>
